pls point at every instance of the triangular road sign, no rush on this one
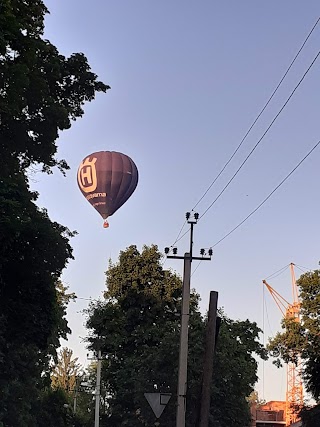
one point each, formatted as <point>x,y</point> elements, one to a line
<point>157,401</point>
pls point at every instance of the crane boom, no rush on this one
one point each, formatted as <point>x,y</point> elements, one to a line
<point>294,395</point>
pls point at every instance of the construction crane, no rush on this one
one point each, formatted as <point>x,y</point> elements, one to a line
<point>294,394</point>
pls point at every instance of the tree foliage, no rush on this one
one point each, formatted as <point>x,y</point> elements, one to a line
<point>311,416</point>
<point>66,371</point>
<point>137,327</point>
<point>32,256</point>
<point>75,386</point>
<point>236,372</point>
<point>41,92</point>
<point>302,339</point>
<point>255,399</point>
<point>54,409</point>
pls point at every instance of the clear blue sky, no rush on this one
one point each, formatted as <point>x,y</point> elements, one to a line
<point>188,79</point>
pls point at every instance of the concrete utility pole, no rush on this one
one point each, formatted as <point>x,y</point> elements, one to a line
<point>208,360</point>
<point>75,395</point>
<point>185,312</point>
<point>98,387</point>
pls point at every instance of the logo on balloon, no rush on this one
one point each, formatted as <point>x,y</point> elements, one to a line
<point>87,175</point>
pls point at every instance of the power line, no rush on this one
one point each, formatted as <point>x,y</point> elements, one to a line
<point>268,197</point>
<point>94,300</point>
<point>179,236</point>
<point>277,273</point>
<point>303,271</point>
<point>259,115</point>
<point>263,135</point>
<point>261,204</point>
<point>198,265</point>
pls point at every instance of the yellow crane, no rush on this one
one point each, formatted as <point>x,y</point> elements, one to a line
<point>294,394</point>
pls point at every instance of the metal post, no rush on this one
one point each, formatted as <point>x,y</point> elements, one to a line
<point>183,354</point>
<point>97,406</point>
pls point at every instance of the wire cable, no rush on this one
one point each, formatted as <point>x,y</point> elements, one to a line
<point>263,135</point>
<point>196,268</point>
<point>268,320</point>
<point>268,197</point>
<point>278,272</point>
<point>303,271</point>
<point>302,267</point>
<point>179,236</point>
<point>277,275</point>
<point>259,115</point>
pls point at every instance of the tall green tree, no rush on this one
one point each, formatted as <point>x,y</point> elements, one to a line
<point>73,385</point>
<point>41,92</point>
<point>32,256</point>
<point>66,371</point>
<point>137,327</point>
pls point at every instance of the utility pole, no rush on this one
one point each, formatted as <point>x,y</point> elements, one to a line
<point>75,395</point>
<point>98,387</point>
<point>208,360</point>
<point>185,312</point>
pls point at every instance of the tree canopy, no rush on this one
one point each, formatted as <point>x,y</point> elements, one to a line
<point>66,371</point>
<point>41,92</point>
<point>137,327</point>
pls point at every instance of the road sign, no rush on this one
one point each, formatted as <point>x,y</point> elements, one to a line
<point>157,401</point>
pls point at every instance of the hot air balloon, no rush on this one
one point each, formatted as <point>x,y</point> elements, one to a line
<point>107,179</point>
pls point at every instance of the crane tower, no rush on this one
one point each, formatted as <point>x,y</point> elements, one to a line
<point>294,394</point>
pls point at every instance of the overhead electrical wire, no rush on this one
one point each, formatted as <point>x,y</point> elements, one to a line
<point>178,238</point>
<point>259,115</point>
<point>270,194</point>
<point>263,135</point>
<point>256,145</point>
<point>196,268</point>
<point>261,204</point>
<point>303,271</point>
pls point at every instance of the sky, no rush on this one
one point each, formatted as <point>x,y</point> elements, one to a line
<point>187,80</point>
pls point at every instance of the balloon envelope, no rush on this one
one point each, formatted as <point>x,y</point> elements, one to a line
<point>107,179</point>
